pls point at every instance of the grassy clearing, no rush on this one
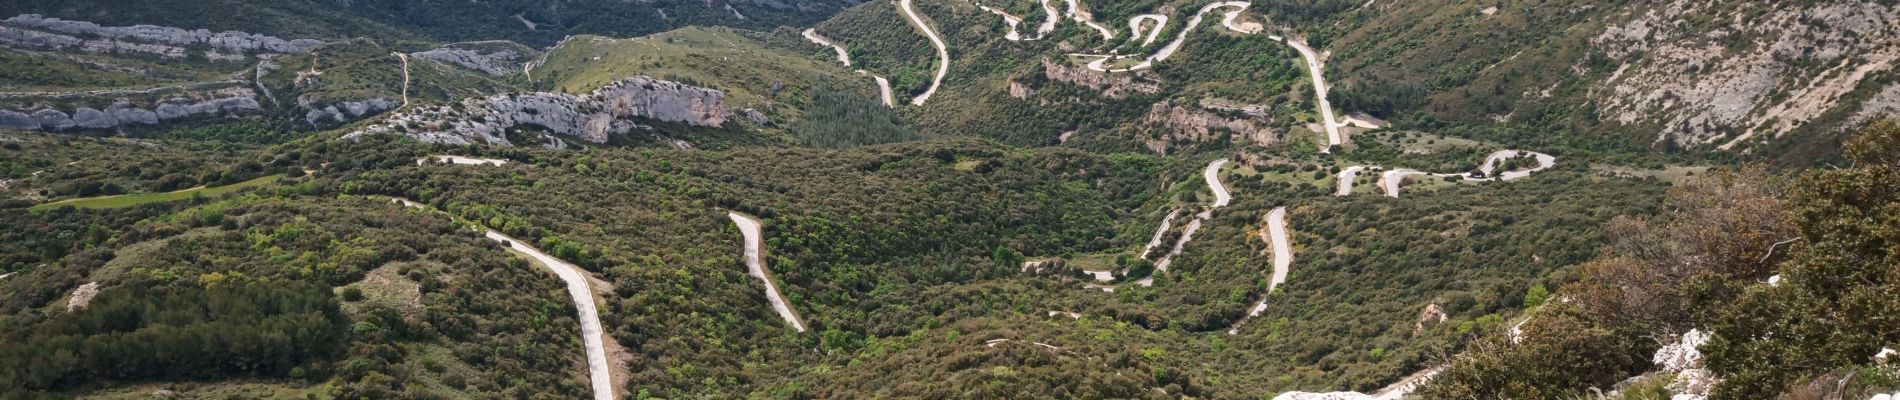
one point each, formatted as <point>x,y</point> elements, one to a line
<point>121,201</point>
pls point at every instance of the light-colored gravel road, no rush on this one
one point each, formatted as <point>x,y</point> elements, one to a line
<point>843,57</point>
<point>460,160</point>
<point>1154,30</point>
<point>755,265</point>
<point>1544,161</point>
<point>1391,179</point>
<point>1221,198</point>
<point>1212,175</point>
<point>580,289</point>
<point>1346,177</point>
<point>1166,223</point>
<point>884,90</point>
<point>1282,263</point>
<point>943,51</point>
<point>405,77</point>
<point>577,287</point>
<point>1317,70</point>
<point>1010,20</point>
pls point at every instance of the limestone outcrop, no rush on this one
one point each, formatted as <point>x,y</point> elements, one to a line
<point>122,113</point>
<point>1185,123</point>
<point>1114,86</point>
<point>345,111</point>
<point>493,58</point>
<point>594,117</point>
<point>33,30</point>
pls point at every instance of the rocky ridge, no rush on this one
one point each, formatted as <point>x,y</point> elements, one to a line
<point>593,117</point>
<point>1113,86</point>
<point>1186,123</point>
<point>228,102</point>
<point>35,31</point>
<point>491,60</point>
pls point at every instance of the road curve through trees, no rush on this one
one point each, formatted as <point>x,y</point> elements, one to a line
<point>405,77</point>
<point>755,265</point>
<point>579,288</point>
<point>844,57</point>
<point>1345,179</point>
<point>1154,32</point>
<point>812,35</point>
<point>1282,263</point>
<point>1221,198</point>
<point>943,52</point>
<point>1318,71</point>
<point>1391,180</point>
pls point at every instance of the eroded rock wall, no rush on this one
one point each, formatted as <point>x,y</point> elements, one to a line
<point>121,113</point>
<point>38,31</point>
<point>593,117</point>
<point>1111,85</point>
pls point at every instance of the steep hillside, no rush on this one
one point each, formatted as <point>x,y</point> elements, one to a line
<point>1787,78</point>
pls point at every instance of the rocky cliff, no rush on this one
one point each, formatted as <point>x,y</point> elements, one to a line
<point>492,58</point>
<point>328,115</point>
<point>610,110</point>
<point>122,113</point>
<point>37,32</point>
<point>1181,123</point>
<point>1111,85</point>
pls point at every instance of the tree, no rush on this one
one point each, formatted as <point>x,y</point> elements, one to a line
<point>1835,305</point>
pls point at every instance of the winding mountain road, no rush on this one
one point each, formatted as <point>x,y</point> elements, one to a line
<point>844,57</point>
<point>1221,198</point>
<point>1544,161</point>
<point>943,52</point>
<point>883,89</point>
<point>577,287</point>
<point>1282,263</point>
<point>755,265</point>
<point>1318,71</point>
<point>1392,180</point>
<point>1076,14</point>
<point>812,35</point>
<point>1166,223</point>
<point>1010,20</point>
<point>405,77</point>
<point>1154,31</point>
<point>1345,179</point>
<point>580,289</point>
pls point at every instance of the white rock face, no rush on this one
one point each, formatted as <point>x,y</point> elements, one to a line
<point>222,103</point>
<point>18,121</point>
<point>492,61</point>
<point>346,111</point>
<point>1188,123</point>
<point>82,296</point>
<point>1685,359</point>
<point>1683,354</point>
<point>592,117</point>
<point>233,41</point>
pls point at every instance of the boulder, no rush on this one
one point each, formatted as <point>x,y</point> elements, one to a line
<point>126,114</point>
<point>53,120</point>
<point>89,118</point>
<point>18,121</point>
